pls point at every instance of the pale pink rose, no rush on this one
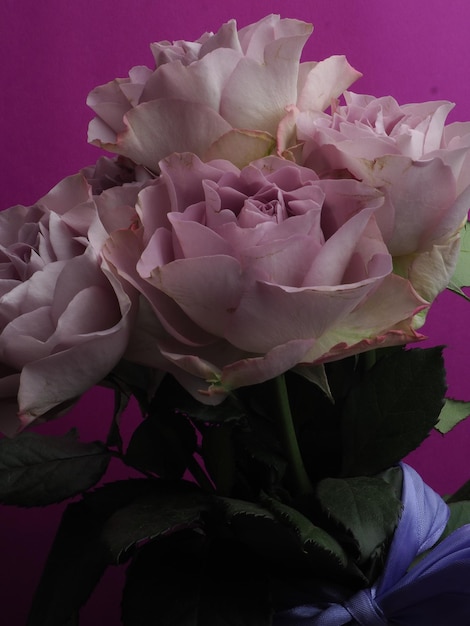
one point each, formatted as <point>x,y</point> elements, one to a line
<point>246,274</point>
<point>65,319</point>
<point>421,166</point>
<point>223,96</point>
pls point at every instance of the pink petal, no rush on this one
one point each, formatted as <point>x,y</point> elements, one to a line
<point>200,83</point>
<point>270,315</point>
<point>256,95</point>
<point>109,102</point>
<point>225,37</point>
<point>158,128</point>
<point>254,370</point>
<point>123,250</point>
<point>333,259</point>
<point>158,252</point>
<point>419,205</point>
<point>280,261</point>
<point>26,338</point>
<point>185,176</point>
<point>241,147</point>
<point>385,317</point>
<point>196,240</point>
<point>207,289</point>
<point>325,82</point>
<point>48,382</point>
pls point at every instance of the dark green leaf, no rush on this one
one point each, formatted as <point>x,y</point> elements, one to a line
<point>312,537</point>
<point>392,410</point>
<point>36,470</point>
<point>226,412</point>
<point>169,506</point>
<point>131,379</point>
<point>121,402</point>
<point>78,556</point>
<point>187,579</point>
<point>173,396</point>
<point>260,460</point>
<point>366,507</point>
<point>463,493</point>
<point>459,516</point>
<point>285,538</point>
<point>453,412</point>
<point>163,444</point>
<point>218,455</point>
<point>317,375</point>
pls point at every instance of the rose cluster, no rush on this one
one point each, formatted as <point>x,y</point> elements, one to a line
<point>272,227</point>
<point>65,319</point>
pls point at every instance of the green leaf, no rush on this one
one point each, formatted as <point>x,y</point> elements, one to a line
<point>227,412</point>
<point>78,556</point>
<point>163,444</point>
<point>130,379</point>
<point>461,276</point>
<point>219,458</point>
<point>316,374</point>
<point>121,402</point>
<point>313,538</point>
<point>392,410</point>
<point>258,455</point>
<point>453,412</point>
<point>36,470</point>
<point>459,516</point>
<point>366,507</point>
<point>187,579</point>
<point>169,506</point>
<point>463,493</point>
<point>285,538</point>
<point>172,395</point>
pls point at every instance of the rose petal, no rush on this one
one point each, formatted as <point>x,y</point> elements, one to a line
<point>241,147</point>
<point>122,250</point>
<point>158,128</point>
<point>326,81</point>
<point>207,289</point>
<point>271,315</point>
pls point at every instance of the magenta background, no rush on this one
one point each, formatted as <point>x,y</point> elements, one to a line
<point>54,52</point>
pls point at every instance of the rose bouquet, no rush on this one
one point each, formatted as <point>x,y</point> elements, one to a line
<point>250,268</point>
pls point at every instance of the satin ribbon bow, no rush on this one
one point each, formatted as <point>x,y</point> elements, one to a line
<point>435,592</point>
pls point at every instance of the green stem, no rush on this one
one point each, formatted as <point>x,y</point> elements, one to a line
<point>369,359</point>
<point>300,477</point>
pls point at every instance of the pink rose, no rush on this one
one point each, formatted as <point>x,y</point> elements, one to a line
<point>420,165</point>
<point>246,274</point>
<point>223,96</point>
<point>65,319</point>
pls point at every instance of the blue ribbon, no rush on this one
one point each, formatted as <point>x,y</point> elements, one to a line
<point>435,592</point>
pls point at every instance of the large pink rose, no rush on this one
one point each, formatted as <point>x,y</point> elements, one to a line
<point>246,274</point>
<point>420,165</point>
<point>65,319</point>
<point>222,96</point>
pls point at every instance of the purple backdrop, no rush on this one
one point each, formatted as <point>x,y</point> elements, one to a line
<point>54,52</point>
